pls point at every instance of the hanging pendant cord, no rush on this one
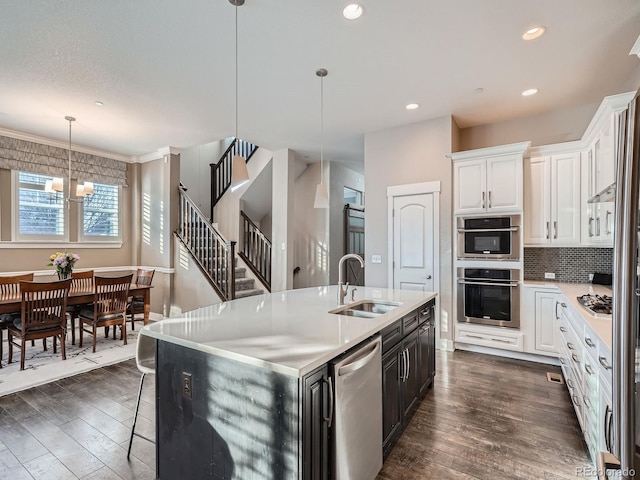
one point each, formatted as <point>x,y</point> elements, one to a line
<point>69,195</point>
<point>236,71</point>
<point>322,130</point>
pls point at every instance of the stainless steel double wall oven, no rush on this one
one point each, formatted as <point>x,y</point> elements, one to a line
<point>488,292</point>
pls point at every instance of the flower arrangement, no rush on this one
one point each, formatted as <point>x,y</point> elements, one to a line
<point>64,262</point>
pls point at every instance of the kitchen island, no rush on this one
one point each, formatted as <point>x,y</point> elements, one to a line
<point>243,387</point>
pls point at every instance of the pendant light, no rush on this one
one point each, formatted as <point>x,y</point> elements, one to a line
<point>57,184</point>
<point>239,172</point>
<point>322,194</point>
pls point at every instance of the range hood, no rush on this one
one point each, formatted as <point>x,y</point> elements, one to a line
<point>606,195</point>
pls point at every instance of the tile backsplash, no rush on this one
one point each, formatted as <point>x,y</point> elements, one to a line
<point>569,264</point>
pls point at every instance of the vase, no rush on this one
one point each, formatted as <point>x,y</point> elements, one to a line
<point>63,275</point>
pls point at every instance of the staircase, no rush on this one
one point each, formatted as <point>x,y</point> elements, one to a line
<point>213,255</point>
<point>221,171</point>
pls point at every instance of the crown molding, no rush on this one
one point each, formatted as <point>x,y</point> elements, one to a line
<point>64,145</point>
<point>158,154</point>
<point>510,149</point>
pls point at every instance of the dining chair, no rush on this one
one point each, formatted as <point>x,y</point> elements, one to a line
<point>42,315</point>
<point>146,363</point>
<point>136,303</point>
<point>10,288</point>
<point>80,282</point>
<point>109,307</point>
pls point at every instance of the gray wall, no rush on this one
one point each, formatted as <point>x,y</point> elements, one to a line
<point>195,172</point>
<point>404,155</point>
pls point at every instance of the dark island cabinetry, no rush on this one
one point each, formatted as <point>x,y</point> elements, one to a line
<point>408,368</point>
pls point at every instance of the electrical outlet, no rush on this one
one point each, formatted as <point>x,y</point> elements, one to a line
<point>187,390</point>
<point>549,275</point>
<point>591,277</point>
<point>376,258</point>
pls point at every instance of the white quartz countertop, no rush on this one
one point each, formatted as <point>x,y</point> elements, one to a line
<point>289,332</point>
<point>601,326</point>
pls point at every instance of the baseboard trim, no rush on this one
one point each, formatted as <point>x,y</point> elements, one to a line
<point>529,357</point>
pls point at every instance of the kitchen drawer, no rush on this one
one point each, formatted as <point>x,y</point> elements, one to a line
<point>425,313</point>
<point>391,336</point>
<point>498,339</point>
<point>605,363</point>
<point>410,322</point>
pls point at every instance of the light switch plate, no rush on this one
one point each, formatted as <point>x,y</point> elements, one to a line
<point>549,275</point>
<point>376,258</point>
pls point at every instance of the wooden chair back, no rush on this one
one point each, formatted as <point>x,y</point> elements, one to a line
<point>144,277</point>
<point>43,306</point>
<point>111,295</point>
<point>10,285</point>
<point>82,281</point>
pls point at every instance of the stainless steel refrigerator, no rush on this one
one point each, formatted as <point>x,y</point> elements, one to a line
<point>623,461</point>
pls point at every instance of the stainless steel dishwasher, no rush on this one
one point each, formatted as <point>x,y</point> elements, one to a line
<point>357,438</point>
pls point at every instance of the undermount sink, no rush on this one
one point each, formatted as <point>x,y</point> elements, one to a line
<point>365,309</point>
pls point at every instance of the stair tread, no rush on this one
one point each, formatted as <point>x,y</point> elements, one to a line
<point>249,293</point>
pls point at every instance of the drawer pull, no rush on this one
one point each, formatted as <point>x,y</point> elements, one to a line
<point>570,382</point>
<point>589,370</point>
<point>589,342</point>
<point>575,400</point>
<point>575,358</point>
<point>603,361</point>
<point>474,336</point>
<point>562,361</point>
<point>571,346</point>
<point>563,330</point>
<point>500,340</point>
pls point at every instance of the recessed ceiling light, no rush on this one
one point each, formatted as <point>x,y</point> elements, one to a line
<point>412,106</point>
<point>533,33</point>
<point>352,11</point>
<point>531,91</point>
<point>99,103</point>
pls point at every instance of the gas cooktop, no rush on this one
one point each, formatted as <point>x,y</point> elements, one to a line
<point>597,305</point>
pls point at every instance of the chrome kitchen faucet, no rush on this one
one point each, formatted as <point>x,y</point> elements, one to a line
<point>343,292</point>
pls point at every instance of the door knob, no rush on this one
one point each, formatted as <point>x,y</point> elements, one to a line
<point>428,277</point>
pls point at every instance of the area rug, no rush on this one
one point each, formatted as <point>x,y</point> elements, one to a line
<point>45,366</point>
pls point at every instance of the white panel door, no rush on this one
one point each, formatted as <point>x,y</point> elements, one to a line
<point>565,199</point>
<point>547,333</point>
<point>470,186</point>
<point>504,184</point>
<point>537,196</point>
<point>413,237</point>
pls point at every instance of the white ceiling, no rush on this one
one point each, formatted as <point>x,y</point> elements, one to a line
<point>165,68</point>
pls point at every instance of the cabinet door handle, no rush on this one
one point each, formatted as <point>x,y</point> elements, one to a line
<point>588,369</point>
<point>563,330</point>
<point>590,225</point>
<point>589,342</point>
<point>598,226</point>
<point>575,358</point>
<point>555,229</point>
<point>563,305</point>
<point>603,361</point>
<point>547,230</point>
<point>329,418</point>
<point>408,363</point>
<point>482,199</point>
<point>489,198</point>
<point>609,430</point>
<point>557,314</point>
<point>571,346</point>
<point>608,222</point>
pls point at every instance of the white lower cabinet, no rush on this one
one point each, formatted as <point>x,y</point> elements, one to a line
<point>547,337</point>
<point>584,357</point>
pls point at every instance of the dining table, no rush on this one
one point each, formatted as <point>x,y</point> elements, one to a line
<point>13,303</point>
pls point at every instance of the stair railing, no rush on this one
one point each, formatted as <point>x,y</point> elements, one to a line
<point>214,255</point>
<point>221,171</point>
<point>256,250</point>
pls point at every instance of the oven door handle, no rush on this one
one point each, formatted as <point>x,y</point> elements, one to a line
<point>480,230</point>
<point>488,284</point>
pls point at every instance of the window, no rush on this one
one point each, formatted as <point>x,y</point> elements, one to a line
<point>352,196</point>
<point>100,213</point>
<point>40,215</point>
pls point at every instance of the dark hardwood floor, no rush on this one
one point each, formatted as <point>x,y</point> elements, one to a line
<point>486,418</point>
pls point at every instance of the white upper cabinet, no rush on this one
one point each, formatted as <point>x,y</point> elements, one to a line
<point>599,165</point>
<point>552,200</point>
<point>489,180</point>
